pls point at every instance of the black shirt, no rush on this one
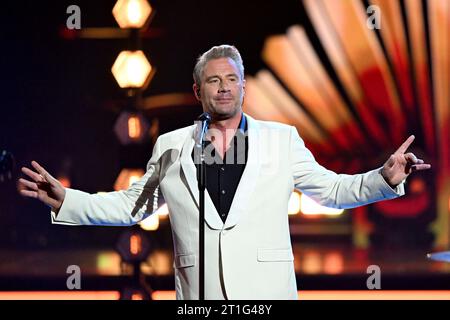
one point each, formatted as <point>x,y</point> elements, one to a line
<point>223,175</point>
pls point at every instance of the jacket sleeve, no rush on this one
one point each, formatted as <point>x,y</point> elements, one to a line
<point>118,208</point>
<point>333,190</point>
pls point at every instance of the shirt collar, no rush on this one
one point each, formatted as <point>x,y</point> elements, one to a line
<point>242,127</point>
<point>243,124</point>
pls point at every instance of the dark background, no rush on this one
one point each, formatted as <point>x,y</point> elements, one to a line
<point>55,93</point>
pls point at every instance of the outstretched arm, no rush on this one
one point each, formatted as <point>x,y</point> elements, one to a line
<point>75,207</point>
<point>348,191</point>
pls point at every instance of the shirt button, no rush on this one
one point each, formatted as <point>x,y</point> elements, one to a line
<point>223,192</point>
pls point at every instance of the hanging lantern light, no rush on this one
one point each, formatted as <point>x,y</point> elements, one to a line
<point>131,13</point>
<point>131,127</point>
<point>131,69</point>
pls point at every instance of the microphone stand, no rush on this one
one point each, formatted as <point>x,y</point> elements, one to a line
<point>205,118</point>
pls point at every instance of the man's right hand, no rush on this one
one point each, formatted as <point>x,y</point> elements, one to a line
<point>42,186</point>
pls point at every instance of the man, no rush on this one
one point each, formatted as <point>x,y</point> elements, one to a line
<point>248,252</point>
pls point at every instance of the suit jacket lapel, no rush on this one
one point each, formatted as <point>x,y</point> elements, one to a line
<point>190,172</point>
<point>249,177</point>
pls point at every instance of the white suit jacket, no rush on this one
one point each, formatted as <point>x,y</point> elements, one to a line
<point>250,255</point>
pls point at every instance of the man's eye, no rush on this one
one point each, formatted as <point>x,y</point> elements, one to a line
<point>213,81</point>
<point>233,79</point>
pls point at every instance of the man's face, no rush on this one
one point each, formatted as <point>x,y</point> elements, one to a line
<point>221,89</point>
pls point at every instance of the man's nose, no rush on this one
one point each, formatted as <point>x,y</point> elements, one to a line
<point>223,87</point>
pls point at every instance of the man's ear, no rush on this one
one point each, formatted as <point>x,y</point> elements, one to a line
<point>196,89</point>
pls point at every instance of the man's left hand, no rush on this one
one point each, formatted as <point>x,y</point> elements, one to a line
<point>401,164</point>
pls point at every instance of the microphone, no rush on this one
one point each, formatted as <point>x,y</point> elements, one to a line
<point>203,123</point>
